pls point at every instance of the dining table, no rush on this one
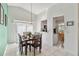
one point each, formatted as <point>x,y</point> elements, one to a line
<point>32,41</point>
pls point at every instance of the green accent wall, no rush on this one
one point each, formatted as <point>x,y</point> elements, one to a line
<point>3,32</point>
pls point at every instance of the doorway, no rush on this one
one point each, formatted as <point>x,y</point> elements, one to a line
<point>58,31</point>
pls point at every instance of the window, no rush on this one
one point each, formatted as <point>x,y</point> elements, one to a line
<point>61,27</point>
<point>30,28</point>
<point>21,27</point>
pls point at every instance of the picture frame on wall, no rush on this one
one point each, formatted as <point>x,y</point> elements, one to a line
<point>70,23</point>
<point>6,20</point>
<point>1,15</point>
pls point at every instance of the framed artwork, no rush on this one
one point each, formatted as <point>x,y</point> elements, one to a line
<point>70,23</point>
<point>1,14</point>
<point>6,20</point>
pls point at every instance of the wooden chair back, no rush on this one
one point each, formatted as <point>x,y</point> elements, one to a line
<point>20,39</point>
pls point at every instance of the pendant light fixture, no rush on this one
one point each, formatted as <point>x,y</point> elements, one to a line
<point>31,13</point>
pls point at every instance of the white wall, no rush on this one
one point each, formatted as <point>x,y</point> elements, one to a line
<point>53,11</point>
<point>78,29</point>
<point>42,16</point>
<point>11,31</point>
<point>22,15</point>
<point>71,33</point>
<point>70,13</point>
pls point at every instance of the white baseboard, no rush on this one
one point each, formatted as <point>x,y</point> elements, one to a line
<point>5,50</point>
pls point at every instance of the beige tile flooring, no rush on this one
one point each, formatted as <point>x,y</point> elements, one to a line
<point>12,50</point>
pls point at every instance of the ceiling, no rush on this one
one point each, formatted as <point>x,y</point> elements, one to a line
<point>36,7</point>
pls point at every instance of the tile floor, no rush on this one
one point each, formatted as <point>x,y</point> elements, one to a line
<point>12,50</point>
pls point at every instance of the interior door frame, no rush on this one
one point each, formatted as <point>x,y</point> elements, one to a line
<point>53,27</point>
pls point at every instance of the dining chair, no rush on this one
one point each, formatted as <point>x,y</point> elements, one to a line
<point>21,44</point>
<point>36,42</point>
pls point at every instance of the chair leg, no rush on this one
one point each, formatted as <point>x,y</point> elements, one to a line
<point>21,50</point>
<point>26,50</point>
<point>30,48</point>
<point>39,49</point>
<point>34,51</point>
